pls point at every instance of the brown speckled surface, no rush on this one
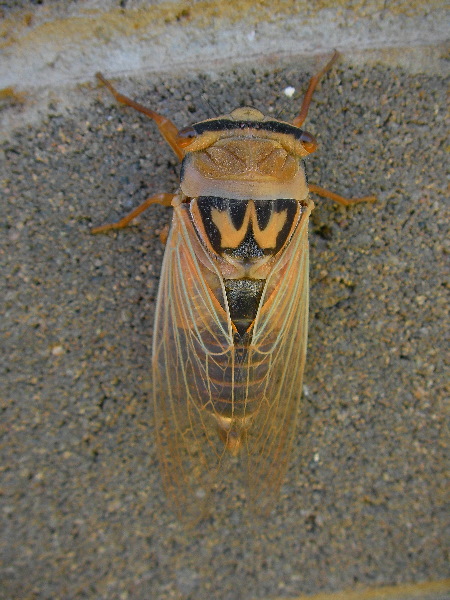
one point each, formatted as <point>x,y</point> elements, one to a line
<point>84,512</point>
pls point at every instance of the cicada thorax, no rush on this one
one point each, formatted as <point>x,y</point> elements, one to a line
<point>244,182</point>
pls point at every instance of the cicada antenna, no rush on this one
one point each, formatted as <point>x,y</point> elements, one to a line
<point>207,105</point>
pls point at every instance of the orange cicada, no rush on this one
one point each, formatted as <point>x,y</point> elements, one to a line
<point>231,320</point>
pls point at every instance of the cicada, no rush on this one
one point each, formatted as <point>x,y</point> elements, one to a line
<point>231,321</point>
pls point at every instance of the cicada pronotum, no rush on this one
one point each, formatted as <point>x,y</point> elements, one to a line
<point>231,320</point>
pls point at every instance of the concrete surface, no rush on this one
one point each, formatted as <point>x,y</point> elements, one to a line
<point>364,503</point>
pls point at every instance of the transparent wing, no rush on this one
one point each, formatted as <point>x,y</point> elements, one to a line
<point>192,331</point>
<point>279,338</point>
<point>194,361</point>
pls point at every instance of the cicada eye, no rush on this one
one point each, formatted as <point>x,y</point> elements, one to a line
<point>308,142</point>
<point>186,136</point>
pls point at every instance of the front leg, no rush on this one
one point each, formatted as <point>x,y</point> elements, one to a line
<point>167,129</point>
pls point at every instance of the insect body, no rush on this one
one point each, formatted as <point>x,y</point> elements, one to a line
<point>232,311</point>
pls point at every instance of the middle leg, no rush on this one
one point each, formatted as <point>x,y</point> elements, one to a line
<point>320,191</point>
<point>163,199</point>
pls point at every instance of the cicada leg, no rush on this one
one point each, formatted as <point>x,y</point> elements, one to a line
<point>167,129</point>
<point>164,234</point>
<point>320,191</point>
<point>300,118</point>
<point>163,199</point>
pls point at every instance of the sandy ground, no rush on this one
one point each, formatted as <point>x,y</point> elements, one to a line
<point>84,512</point>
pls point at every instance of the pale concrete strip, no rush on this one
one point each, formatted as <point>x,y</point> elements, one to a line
<point>52,46</point>
<point>428,590</point>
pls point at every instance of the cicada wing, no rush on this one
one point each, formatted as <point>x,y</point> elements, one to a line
<point>192,331</point>
<point>280,338</point>
<point>199,374</point>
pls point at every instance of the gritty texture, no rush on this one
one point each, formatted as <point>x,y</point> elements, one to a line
<point>84,513</point>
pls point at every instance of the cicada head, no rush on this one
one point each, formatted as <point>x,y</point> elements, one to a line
<point>244,155</point>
